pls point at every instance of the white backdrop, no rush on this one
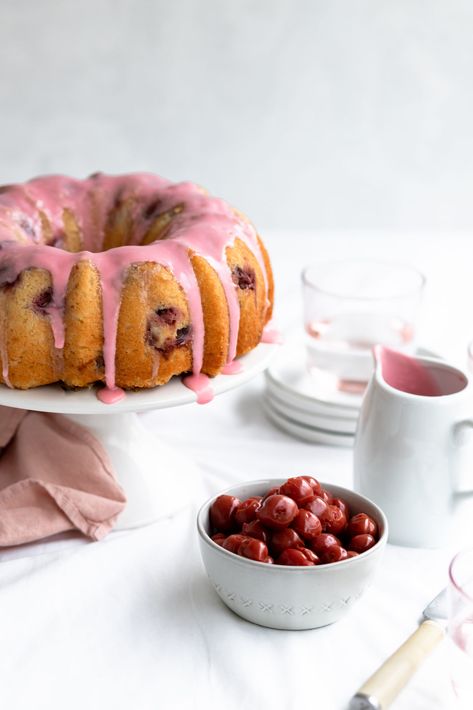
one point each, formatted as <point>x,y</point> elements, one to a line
<point>305,113</point>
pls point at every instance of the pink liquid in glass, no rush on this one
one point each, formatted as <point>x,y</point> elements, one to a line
<point>461,663</point>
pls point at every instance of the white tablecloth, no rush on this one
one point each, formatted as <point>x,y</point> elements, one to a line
<point>132,622</point>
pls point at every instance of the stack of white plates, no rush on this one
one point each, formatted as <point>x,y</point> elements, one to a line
<point>308,408</point>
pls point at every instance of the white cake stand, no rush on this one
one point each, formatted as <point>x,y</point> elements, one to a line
<point>139,459</point>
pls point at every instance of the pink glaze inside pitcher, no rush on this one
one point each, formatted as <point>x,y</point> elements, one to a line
<point>417,376</point>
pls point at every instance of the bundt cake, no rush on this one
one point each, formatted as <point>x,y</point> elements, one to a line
<point>127,280</point>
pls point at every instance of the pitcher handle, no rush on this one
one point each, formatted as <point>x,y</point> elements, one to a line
<point>463,459</point>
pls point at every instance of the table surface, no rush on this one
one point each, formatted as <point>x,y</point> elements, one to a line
<point>132,622</point>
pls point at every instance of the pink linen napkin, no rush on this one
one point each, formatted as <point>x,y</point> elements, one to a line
<point>54,476</point>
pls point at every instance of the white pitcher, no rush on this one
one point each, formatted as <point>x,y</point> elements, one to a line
<point>414,428</point>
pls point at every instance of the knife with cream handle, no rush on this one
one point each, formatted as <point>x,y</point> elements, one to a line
<point>379,691</point>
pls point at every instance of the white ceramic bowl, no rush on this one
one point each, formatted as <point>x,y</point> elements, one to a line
<point>289,597</point>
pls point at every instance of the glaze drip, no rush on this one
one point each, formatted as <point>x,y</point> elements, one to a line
<point>200,384</point>
<point>232,368</point>
<point>170,223</point>
<point>110,396</point>
<point>272,335</point>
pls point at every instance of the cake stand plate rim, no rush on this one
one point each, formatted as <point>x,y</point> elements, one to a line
<point>53,398</point>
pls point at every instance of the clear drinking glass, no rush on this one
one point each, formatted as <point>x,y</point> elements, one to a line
<point>460,626</point>
<point>351,305</point>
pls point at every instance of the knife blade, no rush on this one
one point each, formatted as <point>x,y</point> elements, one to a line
<point>379,691</point>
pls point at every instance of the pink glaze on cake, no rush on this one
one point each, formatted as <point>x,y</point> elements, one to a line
<point>232,368</point>
<point>200,384</point>
<point>110,396</point>
<point>272,335</point>
<point>205,225</point>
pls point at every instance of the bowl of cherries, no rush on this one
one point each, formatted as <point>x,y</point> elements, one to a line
<point>290,554</point>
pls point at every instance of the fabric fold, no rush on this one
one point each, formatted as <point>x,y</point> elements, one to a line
<point>55,476</point>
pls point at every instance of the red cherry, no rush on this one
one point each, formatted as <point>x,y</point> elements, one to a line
<point>294,557</point>
<point>311,556</point>
<point>334,520</point>
<point>317,506</point>
<point>326,496</point>
<point>219,538</point>
<point>253,549</point>
<point>323,542</point>
<point>277,511</point>
<point>314,484</point>
<point>222,512</point>
<point>282,539</point>
<point>340,503</point>
<point>298,489</point>
<point>246,511</point>
<point>323,510</point>
<point>361,543</point>
<point>272,492</point>
<point>362,524</point>
<point>335,553</point>
<point>233,542</point>
<point>352,553</point>
<point>306,524</point>
<point>269,560</point>
<point>255,529</point>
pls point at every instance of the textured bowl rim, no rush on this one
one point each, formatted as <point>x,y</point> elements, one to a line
<point>315,569</point>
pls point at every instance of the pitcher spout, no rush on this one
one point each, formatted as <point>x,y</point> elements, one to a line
<point>391,367</point>
<point>422,377</point>
<point>377,351</point>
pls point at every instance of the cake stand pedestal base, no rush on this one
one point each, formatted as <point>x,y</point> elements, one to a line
<point>158,481</point>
